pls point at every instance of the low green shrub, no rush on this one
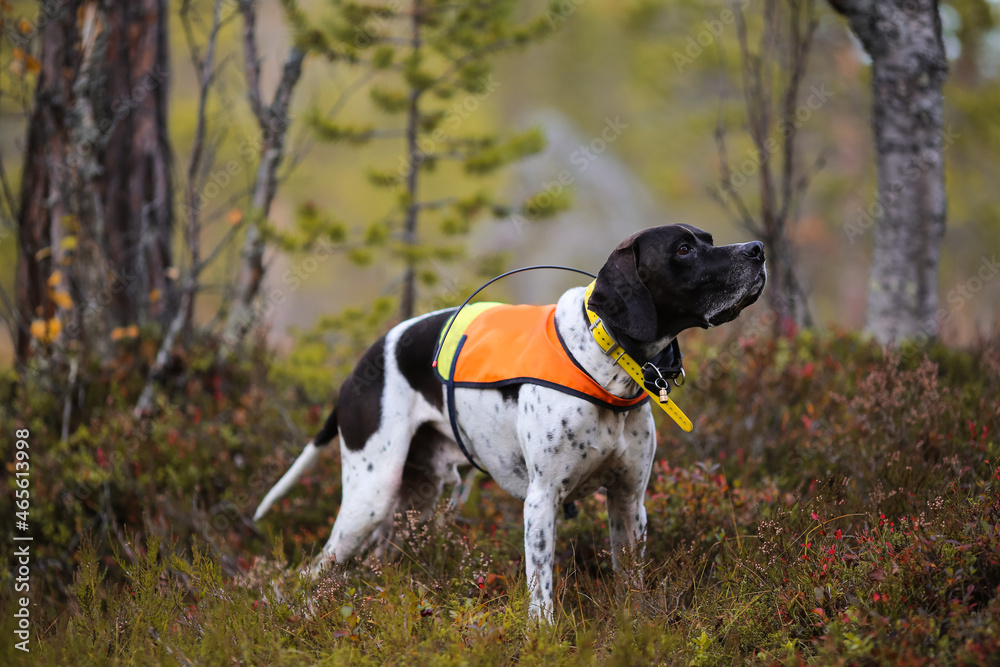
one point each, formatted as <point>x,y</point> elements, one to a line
<point>836,504</point>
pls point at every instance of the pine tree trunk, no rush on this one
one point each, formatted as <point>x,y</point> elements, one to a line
<point>408,297</point>
<point>96,194</point>
<point>903,38</point>
<point>43,155</point>
<point>138,158</point>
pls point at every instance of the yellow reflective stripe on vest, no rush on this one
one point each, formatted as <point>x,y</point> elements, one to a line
<point>446,356</point>
<point>616,352</point>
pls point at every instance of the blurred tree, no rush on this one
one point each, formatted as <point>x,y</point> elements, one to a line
<point>206,70</point>
<point>96,215</point>
<point>975,23</point>
<point>909,67</point>
<point>777,64</point>
<point>763,178</point>
<point>433,58</point>
<point>273,121</point>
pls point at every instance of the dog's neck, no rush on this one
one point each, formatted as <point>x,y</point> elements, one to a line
<point>574,327</point>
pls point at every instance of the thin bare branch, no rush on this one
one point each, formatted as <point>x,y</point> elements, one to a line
<point>220,246</point>
<point>289,78</point>
<point>204,69</point>
<point>273,121</point>
<point>251,60</point>
<point>732,202</point>
<point>407,303</point>
<point>303,147</point>
<point>205,77</point>
<point>486,49</point>
<point>802,184</point>
<point>800,42</point>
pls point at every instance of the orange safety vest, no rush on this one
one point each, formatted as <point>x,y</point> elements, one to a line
<point>492,345</point>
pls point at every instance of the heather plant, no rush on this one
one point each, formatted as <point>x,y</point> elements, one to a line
<point>835,504</point>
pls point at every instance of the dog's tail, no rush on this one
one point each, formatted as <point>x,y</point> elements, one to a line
<point>307,459</point>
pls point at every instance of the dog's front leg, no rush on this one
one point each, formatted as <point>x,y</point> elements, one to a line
<point>539,548</point>
<point>627,522</point>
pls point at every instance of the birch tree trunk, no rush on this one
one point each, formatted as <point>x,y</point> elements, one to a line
<point>909,66</point>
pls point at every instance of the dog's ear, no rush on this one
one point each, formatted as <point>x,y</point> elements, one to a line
<point>620,297</point>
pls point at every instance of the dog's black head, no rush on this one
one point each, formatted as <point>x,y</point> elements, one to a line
<point>663,280</point>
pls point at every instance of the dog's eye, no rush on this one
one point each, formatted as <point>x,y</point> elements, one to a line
<point>684,249</point>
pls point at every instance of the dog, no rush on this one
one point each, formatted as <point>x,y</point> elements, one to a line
<point>404,433</point>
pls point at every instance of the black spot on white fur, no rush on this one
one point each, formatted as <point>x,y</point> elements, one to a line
<point>510,392</point>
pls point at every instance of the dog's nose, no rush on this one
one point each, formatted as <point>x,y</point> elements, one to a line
<point>754,250</point>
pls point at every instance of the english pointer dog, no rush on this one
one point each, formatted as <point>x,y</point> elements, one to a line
<point>552,415</point>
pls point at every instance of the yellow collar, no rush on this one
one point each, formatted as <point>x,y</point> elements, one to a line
<point>614,350</point>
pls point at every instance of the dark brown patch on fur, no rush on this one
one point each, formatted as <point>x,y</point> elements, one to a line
<point>415,353</point>
<point>329,430</point>
<point>360,408</point>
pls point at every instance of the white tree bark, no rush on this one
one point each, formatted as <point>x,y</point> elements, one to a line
<point>909,66</point>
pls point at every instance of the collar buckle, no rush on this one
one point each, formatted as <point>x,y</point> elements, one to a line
<point>597,328</point>
<point>637,373</point>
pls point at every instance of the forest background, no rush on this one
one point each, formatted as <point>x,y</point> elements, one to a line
<point>839,500</point>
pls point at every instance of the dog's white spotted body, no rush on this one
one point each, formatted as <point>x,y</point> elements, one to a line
<point>539,444</point>
<point>372,474</point>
